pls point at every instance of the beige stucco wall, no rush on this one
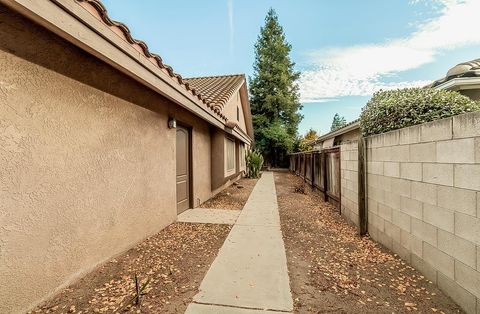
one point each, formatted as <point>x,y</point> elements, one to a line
<point>471,93</point>
<point>219,178</point>
<point>424,201</point>
<point>230,111</point>
<point>87,163</point>
<point>349,181</point>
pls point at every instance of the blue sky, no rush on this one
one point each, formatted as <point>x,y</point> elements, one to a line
<point>345,49</point>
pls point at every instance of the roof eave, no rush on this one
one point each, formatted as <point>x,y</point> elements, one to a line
<point>71,21</point>
<point>353,126</point>
<point>460,83</point>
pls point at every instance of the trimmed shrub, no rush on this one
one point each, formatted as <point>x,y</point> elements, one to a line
<point>396,109</point>
<point>254,160</point>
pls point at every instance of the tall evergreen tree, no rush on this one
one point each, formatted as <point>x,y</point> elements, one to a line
<point>338,122</point>
<point>274,93</point>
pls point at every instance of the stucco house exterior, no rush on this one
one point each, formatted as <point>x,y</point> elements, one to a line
<point>349,132</point>
<point>101,143</point>
<point>463,78</point>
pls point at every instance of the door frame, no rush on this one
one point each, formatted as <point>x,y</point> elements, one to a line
<point>189,129</point>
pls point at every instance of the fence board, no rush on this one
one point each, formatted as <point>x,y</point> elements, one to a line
<point>321,170</point>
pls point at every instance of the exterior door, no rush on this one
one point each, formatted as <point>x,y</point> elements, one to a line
<point>183,169</point>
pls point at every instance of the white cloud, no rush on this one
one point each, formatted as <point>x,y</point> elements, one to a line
<point>230,24</point>
<point>361,70</point>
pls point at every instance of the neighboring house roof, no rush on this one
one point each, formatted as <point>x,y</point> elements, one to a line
<point>462,73</point>
<point>353,125</point>
<point>217,90</point>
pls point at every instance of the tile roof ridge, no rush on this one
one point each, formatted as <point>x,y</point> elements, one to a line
<point>215,76</point>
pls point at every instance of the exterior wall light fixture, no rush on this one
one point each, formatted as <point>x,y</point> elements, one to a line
<point>172,123</point>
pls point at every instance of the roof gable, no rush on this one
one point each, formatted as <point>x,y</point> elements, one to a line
<point>217,90</point>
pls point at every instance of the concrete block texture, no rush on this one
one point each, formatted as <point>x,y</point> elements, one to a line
<point>467,227</point>
<point>401,186</point>
<point>376,221</point>
<point>424,231</point>
<point>424,192</point>
<point>468,278</point>
<point>409,135</point>
<point>401,251</point>
<point>375,141</point>
<point>400,153</point>
<point>478,204</point>
<point>426,269</point>
<point>401,220</point>
<point>477,150</point>
<point>423,152</point>
<point>436,130</point>
<point>416,245</point>
<point>406,239</point>
<point>456,151</point>
<point>384,240</point>
<point>441,174</point>
<point>460,249</point>
<point>385,212</point>
<point>466,125</point>
<point>478,258</point>
<point>439,217</point>
<point>424,201</point>
<point>442,262</point>
<point>376,193</point>
<point>392,231</point>
<point>372,205</point>
<point>411,171</point>
<point>391,138</point>
<point>411,207</point>
<point>458,294</point>
<point>467,176</point>
<point>460,200</point>
<point>391,169</point>
<point>375,167</point>
<point>392,200</point>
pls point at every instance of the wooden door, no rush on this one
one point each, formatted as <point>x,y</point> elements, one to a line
<point>183,169</point>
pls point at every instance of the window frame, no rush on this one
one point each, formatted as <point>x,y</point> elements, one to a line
<point>242,155</point>
<point>231,171</point>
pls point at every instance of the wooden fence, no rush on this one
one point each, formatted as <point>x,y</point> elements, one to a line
<point>321,170</point>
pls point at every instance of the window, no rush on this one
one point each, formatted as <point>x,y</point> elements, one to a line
<point>238,114</point>
<point>242,156</point>
<point>229,156</point>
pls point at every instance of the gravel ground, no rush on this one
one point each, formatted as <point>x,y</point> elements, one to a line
<point>175,261</point>
<point>333,270</point>
<point>234,197</point>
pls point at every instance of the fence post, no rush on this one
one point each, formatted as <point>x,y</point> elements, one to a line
<point>362,187</point>
<point>312,164</point>
<point>324,172</point>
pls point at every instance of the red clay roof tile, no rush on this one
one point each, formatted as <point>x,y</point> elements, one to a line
<point>217,89</point>
<point>214,92</point>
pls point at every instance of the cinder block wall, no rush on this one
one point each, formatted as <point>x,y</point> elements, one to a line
<point>424,201</point>
<point>349,177</point>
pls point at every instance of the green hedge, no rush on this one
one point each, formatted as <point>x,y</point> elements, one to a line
<point>396,109</point>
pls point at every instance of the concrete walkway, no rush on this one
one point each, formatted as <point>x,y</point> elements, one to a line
<point>250,273</point>
<point>209,216</point>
